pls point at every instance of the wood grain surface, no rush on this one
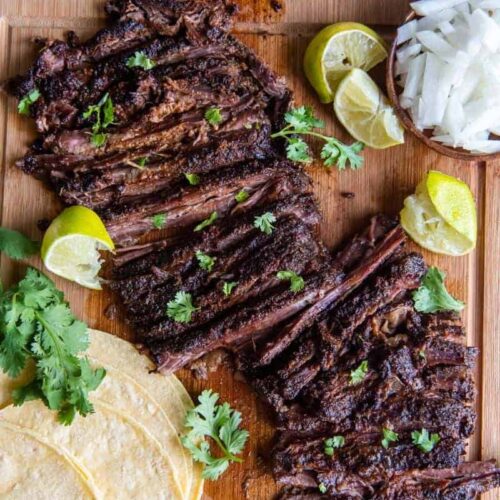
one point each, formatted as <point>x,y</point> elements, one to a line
<point>279,36</point>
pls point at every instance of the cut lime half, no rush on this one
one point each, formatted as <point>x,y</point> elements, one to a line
<point>336,50</point>
<point>71,245</point>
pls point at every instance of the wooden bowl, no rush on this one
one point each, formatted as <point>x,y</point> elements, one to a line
<point>393,91</point>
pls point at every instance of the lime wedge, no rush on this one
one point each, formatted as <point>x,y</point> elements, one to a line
<point>336,50</point>
<point>71,245</point>
<point>441,215</point>
<point>366,113</point>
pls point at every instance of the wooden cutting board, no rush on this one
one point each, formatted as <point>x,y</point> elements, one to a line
<point>279,31</point>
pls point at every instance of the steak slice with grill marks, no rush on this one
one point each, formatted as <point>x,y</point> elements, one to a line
<point>188,205</point>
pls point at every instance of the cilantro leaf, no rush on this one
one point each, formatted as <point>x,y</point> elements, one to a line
<point>265,222</point>
<point>335,152</point>
<point>25,103</point>
<point>193,179</point>
<point>159,221</point>
<point>141,162</point>
<point>15,245</point>
<point>228,286</point>
<point>103,114</point>
<point>296,281</point>
<point>220,423</point>
<point>140,60</point>
<point>206,262</point>
<point>298,150</point>
<point>213,116</point>
<point>388,436</point>
<point>432,295</point>
<point>322,488</point>
<point>36,323</point>
<point>303,120</point>
<point>207,222</point>
<point>423,441</point>
<point>331,443</point>
<point>359,374</point>
<point>181,308</point>
<point>242,196</point>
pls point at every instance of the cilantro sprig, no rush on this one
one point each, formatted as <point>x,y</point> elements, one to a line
<point>265,222</point>
<point>207,222</point>
<point>104,116</point>
<point>359,374</point>
<point>301,121</point>
<point>213,116</point>
<point>36,323</point>
<point>16,245</point>
<point>221,424</point>
<point>296,282</point>
<point>331,443</point>
<point>181,308</point>
<point>432,295</point>
<point>159,221</point>
<point>388,437</point>
<point>193,179</point>
<point>424,441</point>
<point>25,103</point>
<point>140,60</point>
<point>205,261</point>
<point>228,287</point>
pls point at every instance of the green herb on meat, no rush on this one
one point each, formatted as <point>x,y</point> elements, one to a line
<point>25,103</point>
<point>221,424</point>
<point>388,436</point>
<point>265,222</point>
<point>228,286</point>
<point>359,374</point>
<point>213,116</point>
<point>36,323</point>
<point>181,308</point>
<point>104,115</point>
<point>140,60</point>
<point>423,441</point>
<point>193,179</point>
<point>296,281</point>
<point>206,262</point>
<point>207,222</point>
<point>242,196</point>
<point>159,221</point>
<point>331,443</point>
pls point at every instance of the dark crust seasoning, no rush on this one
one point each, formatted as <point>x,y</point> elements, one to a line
<point>297,349</point>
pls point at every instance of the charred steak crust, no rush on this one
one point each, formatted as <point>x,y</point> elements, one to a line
<point>298,348</point>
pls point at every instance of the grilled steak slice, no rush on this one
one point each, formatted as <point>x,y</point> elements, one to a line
<point>391,243</point>
<point>254,269</point>
<point>188,205</point>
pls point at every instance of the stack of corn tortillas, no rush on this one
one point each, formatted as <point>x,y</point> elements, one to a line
<point>129,448</point>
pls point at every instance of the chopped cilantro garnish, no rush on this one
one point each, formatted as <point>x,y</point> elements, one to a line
<point>207,222</point>
<point>359,374</point>
<point>265,222</point>
<point>206,262</point>
<point>301,121</point>
<point>141,60</point>
<point>423,441</point>
<point>25,103</point>
<point>181,308</point>
<point>296,281</point>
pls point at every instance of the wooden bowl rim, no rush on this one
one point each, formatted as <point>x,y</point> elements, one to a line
<point>455,153</point>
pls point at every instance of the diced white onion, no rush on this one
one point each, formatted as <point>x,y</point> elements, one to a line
<point>489,4</point>
<point>448,64</point>
<point>407,31</point>
<point>427,7</point>
<point>410,51</point>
